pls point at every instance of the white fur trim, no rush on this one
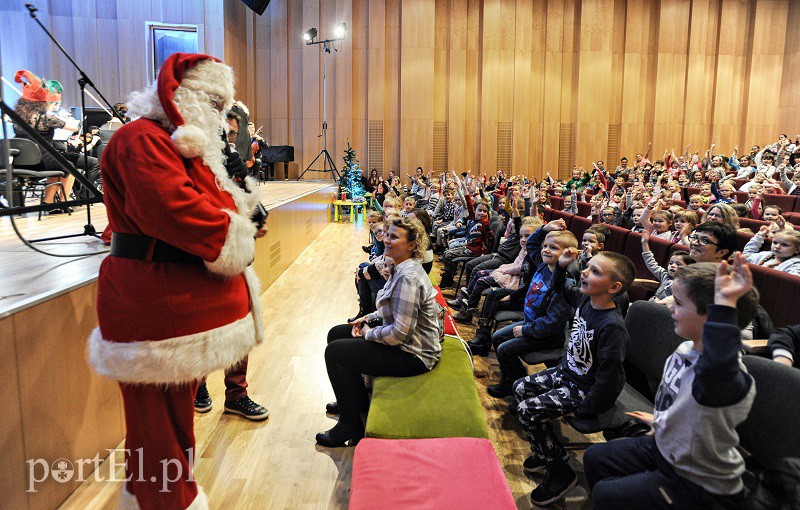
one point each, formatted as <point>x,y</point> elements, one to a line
<point>254,288</point>
<point>127,501</point>
<point>174,360</point>
<point>239,249</point>
<point>190,141</point>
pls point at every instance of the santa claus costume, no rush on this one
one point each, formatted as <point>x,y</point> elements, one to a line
<point>177,298</point>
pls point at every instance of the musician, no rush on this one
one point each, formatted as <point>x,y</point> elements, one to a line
<point>34,109</point>
<point>258,145</point>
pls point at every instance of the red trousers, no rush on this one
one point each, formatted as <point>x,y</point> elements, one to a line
<point>236,380</point>
<point>160,444</point>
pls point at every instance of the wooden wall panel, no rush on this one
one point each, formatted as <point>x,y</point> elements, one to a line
<point>789,108</point>
<point>565,74</point>
<point>416,74</point>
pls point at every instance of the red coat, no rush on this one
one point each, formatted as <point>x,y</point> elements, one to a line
<point>170,322</point>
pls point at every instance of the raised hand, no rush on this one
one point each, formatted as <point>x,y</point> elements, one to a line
<point>732,282</point>
<point>558,224</point>
<point>764,231</point>
<point>568,256</point>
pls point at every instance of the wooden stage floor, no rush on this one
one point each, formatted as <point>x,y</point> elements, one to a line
<point>28,277</point>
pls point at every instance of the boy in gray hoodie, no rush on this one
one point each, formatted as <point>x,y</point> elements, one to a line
<point>690,457</point>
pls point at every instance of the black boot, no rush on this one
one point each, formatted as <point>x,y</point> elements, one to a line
<point>482,343</point>
<point>447,281</point>
<point>341,435</point>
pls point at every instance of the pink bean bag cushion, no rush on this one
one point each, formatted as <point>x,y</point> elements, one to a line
<point>455,472</point>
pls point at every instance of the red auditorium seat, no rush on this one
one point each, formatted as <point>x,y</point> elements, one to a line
<point>794,218</point>
<point>616,239</point>
<point>777,290</point>
<point>691,190</point>
<point>797,206</point>
<point>681,203</point>
<point>556,203</point>
<point>739,182</point>
<point>579,226</point>
<point>741,196</point>
<point>742,238</point>
<point>548,214</point>
<point>567,217</point>
<point>677,247</point>
<point>785,202</point>
<point>633,250</point>
<point>584,209</point>
<point>752,224</point>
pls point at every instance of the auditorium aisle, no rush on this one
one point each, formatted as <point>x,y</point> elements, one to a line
<point>276,464</point>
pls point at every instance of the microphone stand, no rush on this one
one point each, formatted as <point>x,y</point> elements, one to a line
<point>84,80</point>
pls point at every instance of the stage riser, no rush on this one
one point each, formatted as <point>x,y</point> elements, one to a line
<point>55,407</point>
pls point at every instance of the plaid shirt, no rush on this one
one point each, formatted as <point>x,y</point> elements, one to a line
<point>407,305</point>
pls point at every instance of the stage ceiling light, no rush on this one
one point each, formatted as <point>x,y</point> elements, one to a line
<point>340,31</point>
<point>310,34</point>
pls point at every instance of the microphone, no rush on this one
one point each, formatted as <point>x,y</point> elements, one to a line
<point>32,9</point>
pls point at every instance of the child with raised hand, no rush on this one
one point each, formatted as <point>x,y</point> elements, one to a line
<point>690,459</point>
<point>662,219</point>
<point>784,254</point>
<point>589,377</point>
<point>678,260</point>
<point>545,310</point>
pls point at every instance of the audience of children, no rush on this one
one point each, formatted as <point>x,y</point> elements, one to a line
<point>527,271</point>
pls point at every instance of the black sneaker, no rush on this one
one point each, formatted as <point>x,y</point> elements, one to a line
<point>247,408</point>
<point>332,407</point>
<point>499,390</point>
<point>367,249</point>
<point>556,484</point>
<point>536,464</point>
<point>202,400</point>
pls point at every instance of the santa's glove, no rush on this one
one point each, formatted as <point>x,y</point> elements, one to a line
<point>236,168</point>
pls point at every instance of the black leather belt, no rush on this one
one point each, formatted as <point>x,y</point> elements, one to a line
<point>141,247</point>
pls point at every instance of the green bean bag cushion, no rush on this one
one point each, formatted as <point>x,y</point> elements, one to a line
<point>441,403</point>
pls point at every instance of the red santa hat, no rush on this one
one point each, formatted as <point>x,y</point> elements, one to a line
<point>197,72</point>
<point>33,88</point>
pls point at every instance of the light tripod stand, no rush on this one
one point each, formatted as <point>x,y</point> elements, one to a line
<point>327,161</point>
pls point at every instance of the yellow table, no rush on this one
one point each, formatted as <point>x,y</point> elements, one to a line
<point>339,204</point>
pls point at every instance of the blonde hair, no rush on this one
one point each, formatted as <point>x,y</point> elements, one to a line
<point>415,233</point>
<point>564,238</point>
<point>375,215</point>
<point>532,221</point>
<point>792,235</point>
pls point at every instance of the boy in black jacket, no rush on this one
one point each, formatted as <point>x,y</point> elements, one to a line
<point>589,377</point>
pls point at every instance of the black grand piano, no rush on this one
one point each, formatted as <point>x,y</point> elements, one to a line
<point>276,154</point>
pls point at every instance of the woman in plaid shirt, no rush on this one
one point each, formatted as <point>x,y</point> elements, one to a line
<point>404,343</point>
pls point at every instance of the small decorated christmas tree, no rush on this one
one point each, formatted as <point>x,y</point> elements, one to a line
<point>351,180</point>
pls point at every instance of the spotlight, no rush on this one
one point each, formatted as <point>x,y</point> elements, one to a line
<point>340,31</point>
<point>310,34</point>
